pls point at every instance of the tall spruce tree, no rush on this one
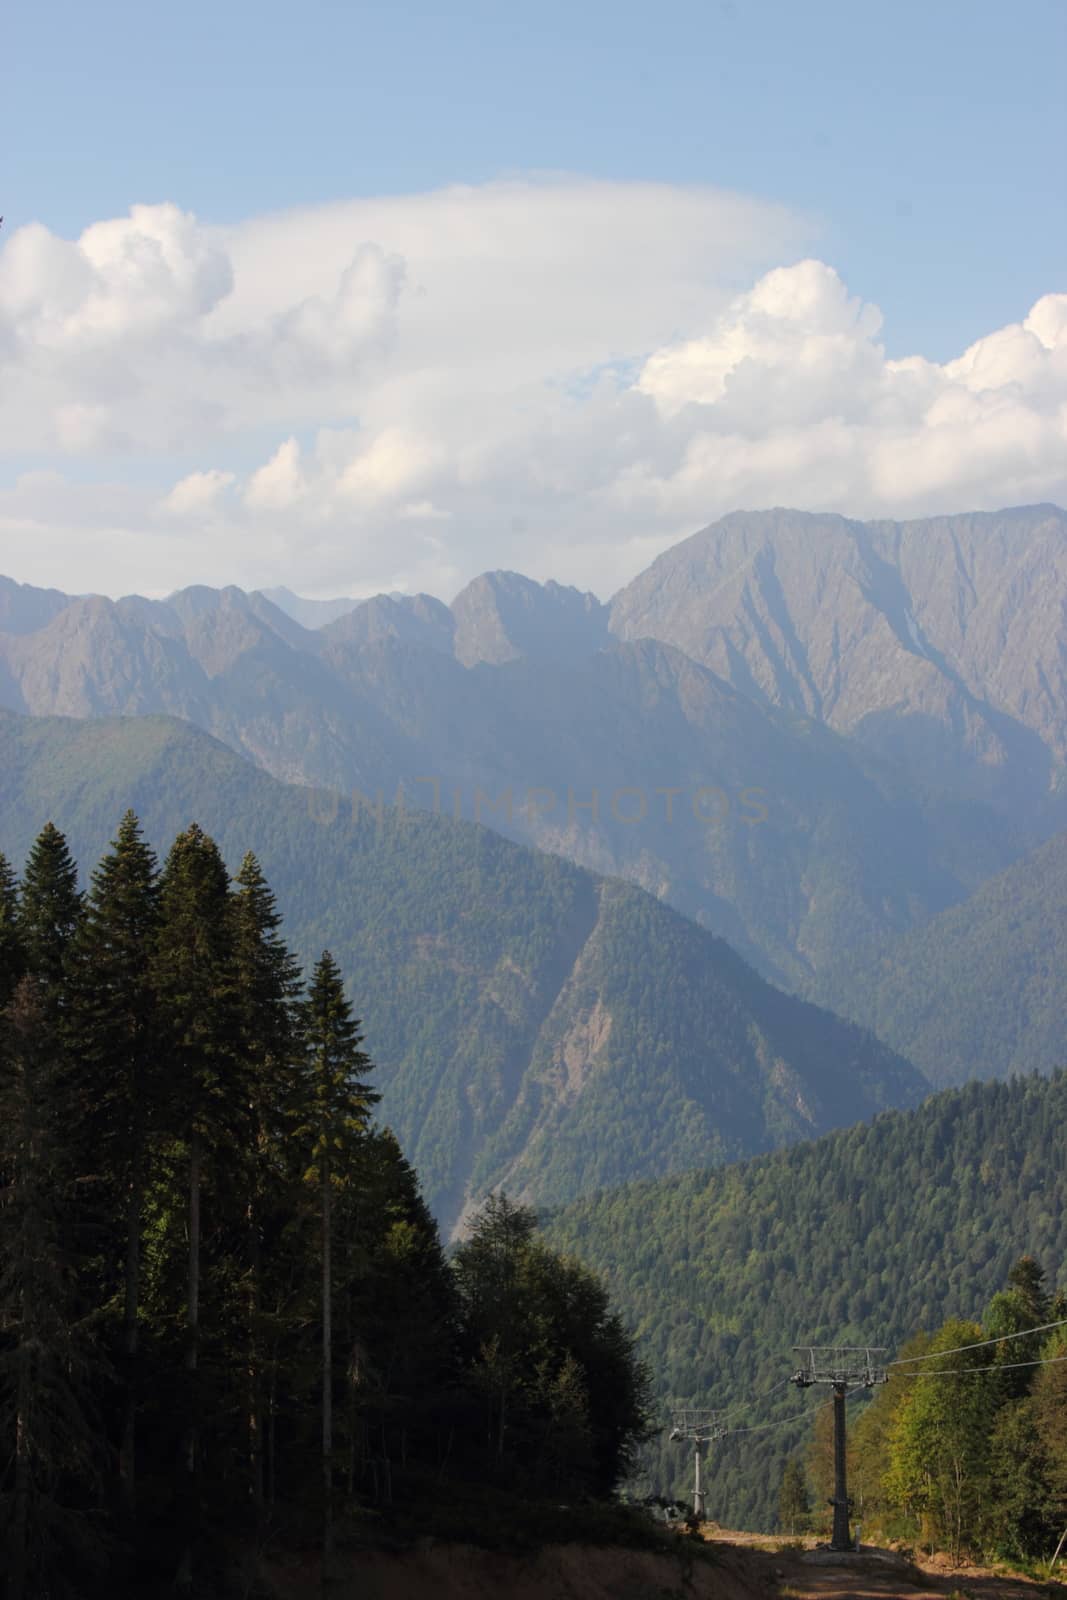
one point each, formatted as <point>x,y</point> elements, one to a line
<point>50,907</point>
<point>158,1067</point>
<point>267,983</point>
<point>496,1316</point>
<point>12,963</point>
<point>395,1321</point>
<point>112,1032</point>
<point>49,1450</point>
<point>338,1101</point>
<point>1027,1280</point>
<point>566,1398</point>
<point>207,1104</point>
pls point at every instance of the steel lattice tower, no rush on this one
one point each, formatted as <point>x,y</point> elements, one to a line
<point>842,1367</point>
<point>698,1428</point>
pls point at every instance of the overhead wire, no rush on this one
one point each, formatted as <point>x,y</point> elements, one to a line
<point>997,1366</point>
<point>727,1412</point>
<point>905,1361</point>
<point>780,1422</point>
<point>1024,1333</point>
<point>757,1399</point>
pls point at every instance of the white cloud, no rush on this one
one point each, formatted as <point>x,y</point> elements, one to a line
<point>112,343</point>
<point>279,484</point>
<point>555,377</point>
<point>798,324</point>
<point>135,275</point>
<point>168,333</point>
<point>196,494</point>
<point>395,464</point>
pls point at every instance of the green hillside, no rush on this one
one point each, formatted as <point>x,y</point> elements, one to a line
<point>978,992</point>
<point>534,1025</point>
<point>864,1236</point>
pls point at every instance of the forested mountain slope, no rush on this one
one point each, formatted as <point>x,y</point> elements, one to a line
<point>979,991</point>
<point>534,1025</point>
<point>862,1237</point>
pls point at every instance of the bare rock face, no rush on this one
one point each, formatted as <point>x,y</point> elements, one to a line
<point>939,643</point>
<point>502,616</point>
<point>416,619</point>
<point>24,609</point>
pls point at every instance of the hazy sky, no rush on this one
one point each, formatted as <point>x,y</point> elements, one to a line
<point>377,296</point>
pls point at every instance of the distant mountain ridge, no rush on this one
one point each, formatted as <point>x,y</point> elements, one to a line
<point>938,643</point>
<point>309,613</point>
<point>776,728</point>
<point>534,1025</point>
<point>978,991</point>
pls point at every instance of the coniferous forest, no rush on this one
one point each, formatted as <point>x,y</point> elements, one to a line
<point>226,1316</point>
<point>914,1224</point>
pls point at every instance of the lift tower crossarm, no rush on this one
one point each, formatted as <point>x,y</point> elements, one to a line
<point>698,1428</point>
<point>841,1367</point>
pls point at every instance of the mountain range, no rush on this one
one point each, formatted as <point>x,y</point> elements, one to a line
<point>572,855</point>
<point>807,734</point>
<point>534,1025</point>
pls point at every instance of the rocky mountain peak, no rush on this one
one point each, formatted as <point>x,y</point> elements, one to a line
<point>502,616</point>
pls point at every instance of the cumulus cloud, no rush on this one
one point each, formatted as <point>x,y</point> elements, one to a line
<point>132,276</point>
<point>787,350</point>
<point>556,377</point>
<point>196,494</point>
<point>279,484</point>
<point>112,344</point>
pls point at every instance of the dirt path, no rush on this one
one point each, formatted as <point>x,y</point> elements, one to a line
<point>812,1574</point>
<point>737,1567</point>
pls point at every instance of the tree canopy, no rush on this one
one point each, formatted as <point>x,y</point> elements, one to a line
<point>224,1304</point>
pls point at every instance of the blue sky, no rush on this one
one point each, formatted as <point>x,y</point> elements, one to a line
<point>926,138</point>
<point>413,274</point>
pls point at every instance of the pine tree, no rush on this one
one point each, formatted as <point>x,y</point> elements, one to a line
<point>394,1323</point>
<point>50,908</point>
<point>488,1268</point>
<point>1027,1280</point>
<point>46,1365</point>
<point>12,962</point>
<point>207,1103</point>
<point>338,1102</point>
<point>534,1320</point>
<point>112,1031</point>
<point>1025,1303</point>
<point>267,981</point>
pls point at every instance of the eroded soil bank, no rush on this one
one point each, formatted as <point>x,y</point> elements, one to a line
<point>721,1571</point>
<point>558,1572</point>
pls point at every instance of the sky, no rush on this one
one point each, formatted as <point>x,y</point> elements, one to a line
<point>353,297</point>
